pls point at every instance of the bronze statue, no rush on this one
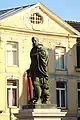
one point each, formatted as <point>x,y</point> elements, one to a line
<point>39,72</point>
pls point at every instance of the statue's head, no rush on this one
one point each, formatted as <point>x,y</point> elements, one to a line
<point>35,41</point>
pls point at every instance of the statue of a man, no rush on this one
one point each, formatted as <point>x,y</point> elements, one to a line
<point>39,72</point>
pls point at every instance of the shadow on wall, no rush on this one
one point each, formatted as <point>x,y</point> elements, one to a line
<point>23,98</point>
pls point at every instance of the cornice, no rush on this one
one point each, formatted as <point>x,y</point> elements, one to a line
<point>37,32</point>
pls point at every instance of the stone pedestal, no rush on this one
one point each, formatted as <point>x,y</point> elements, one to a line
<point>40,114</point>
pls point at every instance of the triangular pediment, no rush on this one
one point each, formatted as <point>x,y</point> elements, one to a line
<point>48,21</point>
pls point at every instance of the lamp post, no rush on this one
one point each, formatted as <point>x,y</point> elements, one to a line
<point>10,114</point>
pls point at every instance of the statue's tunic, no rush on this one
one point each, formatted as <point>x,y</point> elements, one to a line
<point>39,61</point>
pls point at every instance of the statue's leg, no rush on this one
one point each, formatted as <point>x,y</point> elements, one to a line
<point>46,94</point>
<point>37,90</point>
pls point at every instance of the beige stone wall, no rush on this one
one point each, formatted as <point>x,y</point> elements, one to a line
<point>24,40</point>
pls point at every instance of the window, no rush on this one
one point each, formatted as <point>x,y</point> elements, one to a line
<point>36,18</point>
<point>78,118</point>
<point>60,57</point>
<point>78,90</point>
<point>61,94</point>
<point>12,93</point>
<point>78,52</point>
<point>12,53</point>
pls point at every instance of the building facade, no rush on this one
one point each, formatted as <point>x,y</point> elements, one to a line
<point>17,27</point>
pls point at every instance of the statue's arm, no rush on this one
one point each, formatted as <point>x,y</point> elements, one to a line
<point>44,56</point>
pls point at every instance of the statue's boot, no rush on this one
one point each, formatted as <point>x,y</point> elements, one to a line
<point>38,102</point>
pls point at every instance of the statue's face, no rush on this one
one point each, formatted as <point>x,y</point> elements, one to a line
<point>35,42</point>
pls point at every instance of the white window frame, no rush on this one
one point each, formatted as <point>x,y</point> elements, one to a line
<point>60,54</point>
<point>60,89</point>
<point>11,87</point>
<point>78,90</point>
<point>11,50</point>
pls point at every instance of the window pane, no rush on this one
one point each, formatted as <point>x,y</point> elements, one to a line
<point>12,92</point>
<point>78,55</point>
<point>36,18</point>
<point>9,98</point>
<point>62,98</point>
<point>12,53</point>
<point>61,61</point>
<point>61,93</point>
<point>15,57</point>
<point>60,84</point>
<point>78,85</point>
<point>14,45</point>
<point>78,118</point>
<point>9,57</point>
<point>58,98</point>
<point>60,50</point>
<point>14,97</point>
<point>9,46</point>
<point>78,98</point>
<point>60,57</point>
<point>12,82</point>
<point>57,61</point>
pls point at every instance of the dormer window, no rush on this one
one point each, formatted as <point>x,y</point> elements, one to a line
<point>36,18</point>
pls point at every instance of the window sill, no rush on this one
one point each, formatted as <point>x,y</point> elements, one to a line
<point>62,108</point>
<point>77,69</point>
<point>13,107</point>
<point>12,65</point>
<point>61,69</point>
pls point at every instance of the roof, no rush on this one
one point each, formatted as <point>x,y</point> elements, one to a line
<point>74,24</point>
<point>6,12</point>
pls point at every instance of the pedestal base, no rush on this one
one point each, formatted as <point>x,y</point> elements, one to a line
<point>40,114</point>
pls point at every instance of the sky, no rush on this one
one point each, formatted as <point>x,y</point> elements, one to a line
<point>65,9</point>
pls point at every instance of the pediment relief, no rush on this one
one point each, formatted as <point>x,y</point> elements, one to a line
<point>42,22</point>
<point>35,18</point>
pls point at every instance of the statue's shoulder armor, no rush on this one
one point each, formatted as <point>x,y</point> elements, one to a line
<point>41,47</point>
<point>43,50</point>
